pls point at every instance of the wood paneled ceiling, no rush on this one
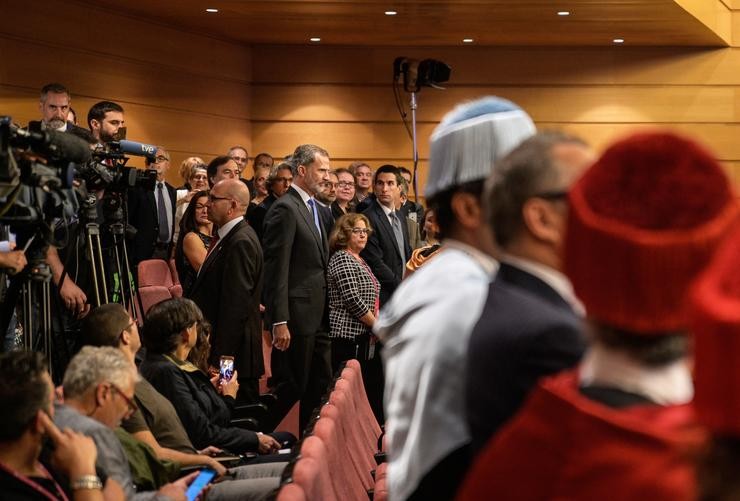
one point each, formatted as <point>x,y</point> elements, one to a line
<point>439,22</point>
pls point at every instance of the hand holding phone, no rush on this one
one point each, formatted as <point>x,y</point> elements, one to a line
<point>204,478</point>
<point>226,368</point>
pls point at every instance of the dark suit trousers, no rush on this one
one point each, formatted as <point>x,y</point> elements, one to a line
<point>302,372</point>
<point>372,368</point>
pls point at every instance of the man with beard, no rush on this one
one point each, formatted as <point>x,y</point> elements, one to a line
<point>54,106</point>
<point>105,119</point>
<point>296,255</point>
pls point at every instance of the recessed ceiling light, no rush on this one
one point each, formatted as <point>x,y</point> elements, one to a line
<point>619,40</point>
<point>468,40</point>
<point>212,10</point>
<point>563,13</point>
<point>315,39</point>
<point>390,13</point>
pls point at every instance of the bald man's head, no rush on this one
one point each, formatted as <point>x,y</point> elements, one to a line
<point>228,200</point>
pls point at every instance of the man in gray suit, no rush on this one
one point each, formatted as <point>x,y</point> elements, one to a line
<point>296,256</point>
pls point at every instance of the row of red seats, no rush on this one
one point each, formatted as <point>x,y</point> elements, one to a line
<point>336,460</point>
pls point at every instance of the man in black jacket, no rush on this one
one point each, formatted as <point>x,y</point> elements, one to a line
<point>228,288</point>
<point>296,256</point>
<point>527,212</point>
<point>387,248</point>
<point>152,213</point>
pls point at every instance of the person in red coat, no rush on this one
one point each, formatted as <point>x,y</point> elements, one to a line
<point>644,221</point>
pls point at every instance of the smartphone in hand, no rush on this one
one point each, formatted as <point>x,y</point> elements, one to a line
<point>226,368</point>
<point>204,478</point>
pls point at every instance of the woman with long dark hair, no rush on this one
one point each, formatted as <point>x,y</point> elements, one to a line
<point>192,244</point>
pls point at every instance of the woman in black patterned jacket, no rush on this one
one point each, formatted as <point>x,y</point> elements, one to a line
<point>353,292</point>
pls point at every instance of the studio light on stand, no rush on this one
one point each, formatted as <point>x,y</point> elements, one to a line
<point>414,75</point>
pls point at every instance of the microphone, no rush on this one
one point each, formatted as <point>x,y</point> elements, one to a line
<point>135,148</point>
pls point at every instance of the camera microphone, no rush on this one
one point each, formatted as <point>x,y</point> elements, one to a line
<point>135,148</point>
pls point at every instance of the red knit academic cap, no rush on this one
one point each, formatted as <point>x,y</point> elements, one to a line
<point>644,220</point>
<point>715,321</point>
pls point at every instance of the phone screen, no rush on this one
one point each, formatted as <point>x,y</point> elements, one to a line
<point>201,481</point>
<point>226,368</point>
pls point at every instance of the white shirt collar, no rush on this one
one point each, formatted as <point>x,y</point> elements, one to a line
<point>386,210</point>
<point>665,385</point>
<point>304,196</point>
<point>225,229</point>
<point>552,277</point>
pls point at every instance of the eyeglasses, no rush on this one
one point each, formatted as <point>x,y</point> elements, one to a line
<point>159,159</point>
<point>214,198</point>
<point>329,184</point>
<point>363,231</point>
<point>239,159</point>
<point>200,177</point>
<point>345,184</point>
<point>283,180</point>
<point>132,407</point>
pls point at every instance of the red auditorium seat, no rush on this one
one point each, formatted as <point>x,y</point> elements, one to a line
<point>292,492</point>
<point>314,478</point>
<point>155,282</point>
<point>152,295</point>
<point>365,417</point>
<point>346,481</point>
<point>360,449</point>
<point>154,272</point>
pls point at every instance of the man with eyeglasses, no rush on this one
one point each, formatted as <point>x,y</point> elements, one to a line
<point>228,288</point>
<point>326,197</point>
<point>527,213</point>
<point>152,213</point>
<point>240,156</point>
<point>98,393</point>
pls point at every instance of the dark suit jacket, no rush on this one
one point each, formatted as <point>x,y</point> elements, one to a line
<point>526,331</point>
<point>296,256</point>
<point>142,215</point>
<point>256,214</point>
<point>327,219</point>
<point>228,291</point>
<point>381,252</point>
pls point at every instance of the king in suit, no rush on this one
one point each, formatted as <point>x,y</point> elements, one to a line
<point>387,248</point>
<point>152,213</point>
<point>531,324</point>
<point>228,288</point>
<point>296,306</point>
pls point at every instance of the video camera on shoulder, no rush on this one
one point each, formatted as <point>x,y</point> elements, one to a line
<point>108,169</point>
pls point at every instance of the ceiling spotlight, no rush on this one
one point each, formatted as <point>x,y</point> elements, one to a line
<point>390,13</point>
<point>619,40</point>
<point>563,13</point>
<point>315,39</point>
<point>212,11</point>
<point>467,40</point>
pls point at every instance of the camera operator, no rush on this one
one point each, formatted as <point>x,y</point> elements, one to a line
<point>105,120</point>
<point>152,213</point>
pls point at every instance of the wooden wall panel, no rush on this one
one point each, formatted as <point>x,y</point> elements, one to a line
<point>341,98</point>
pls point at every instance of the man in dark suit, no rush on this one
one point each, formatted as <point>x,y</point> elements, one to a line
<point>296,306</point>
<point>387,248</point>
<point>152,213</point>
<point>229,287</point>
<point>531,323</point>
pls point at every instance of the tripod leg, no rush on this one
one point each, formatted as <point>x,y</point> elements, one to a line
<point>93,266</point>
